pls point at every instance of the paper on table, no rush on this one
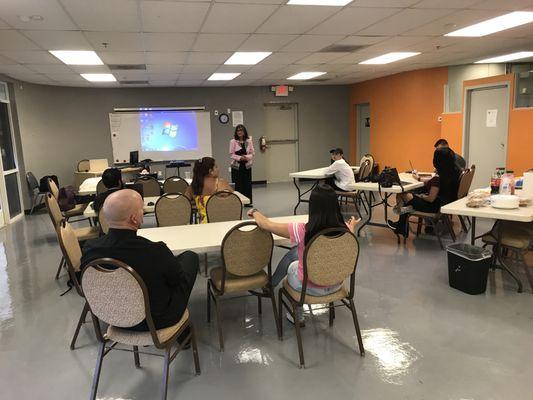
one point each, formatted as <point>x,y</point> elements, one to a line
<point>237,117</point>
<point>492,116</point>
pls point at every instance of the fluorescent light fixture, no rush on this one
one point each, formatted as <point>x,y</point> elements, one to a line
<point>76,57</point>
<point>99,77</point>
<point>247,57</point>
<point>390,57</point>
<point>501,23</point>
<point>338,3</point>
<point>223,76</point>
<point>507,57</point>
<point>302,76</point>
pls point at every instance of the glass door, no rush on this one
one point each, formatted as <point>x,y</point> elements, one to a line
<point>11,203</point>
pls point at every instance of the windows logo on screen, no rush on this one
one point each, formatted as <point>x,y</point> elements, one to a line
<point>169,129</point>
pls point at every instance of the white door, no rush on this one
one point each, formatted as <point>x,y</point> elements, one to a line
<point>486,123</point>
<point>363,130</point>
<point>281,132</point>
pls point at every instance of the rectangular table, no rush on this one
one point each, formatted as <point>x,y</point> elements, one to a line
<point>88,186</point>
<point>203,238</point>
<point>521,214</point>
<point>150,208</point>
<point>317,174</point>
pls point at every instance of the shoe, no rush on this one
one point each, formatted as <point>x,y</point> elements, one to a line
<point>301,322</point>
<point>402,210</point>
<point>392,224</point>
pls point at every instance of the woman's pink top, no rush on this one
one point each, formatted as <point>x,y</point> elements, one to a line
<point>234,146</point>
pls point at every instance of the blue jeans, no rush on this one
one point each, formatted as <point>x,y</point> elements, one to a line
<point>283,266</point>
<point>296,284</point>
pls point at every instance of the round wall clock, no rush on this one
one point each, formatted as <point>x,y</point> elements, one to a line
<point>223,118</point>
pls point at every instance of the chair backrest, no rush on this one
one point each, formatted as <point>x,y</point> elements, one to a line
<point>114,292</point>
<point>52,188</point>
<point>364,170</point>
<point>84,165</point>
<point>70,247</point>
<point>175,184</point>
<point>100,187</point>
<point>150,186</point>
<point>104,226</point>
<point>367,157</point>
<point>173,209</point>
<point>32,182</point>
<point>223,206</point>
<point>53,209</point>
<point>465,181</point>
<point>330,257</point>
<point>246,250</point>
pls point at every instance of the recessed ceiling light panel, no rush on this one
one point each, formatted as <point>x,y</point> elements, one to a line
<point>223,76</point>
<point>77,57</point>
<point>302,76</point>
<point>99,77</point>
<point>337,3</point>
<point>493,25</point>
<point>247,57</point>
<point>507,57</point>
<point>390,57</point>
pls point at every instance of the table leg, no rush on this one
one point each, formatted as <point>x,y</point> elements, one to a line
<point>367,221</point>
<point>299,195</point>
<point>386,214</point>
<point>473,232</point>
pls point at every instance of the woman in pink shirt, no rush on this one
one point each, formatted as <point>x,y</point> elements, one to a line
<point>324,212</point>
<point>241,151</point>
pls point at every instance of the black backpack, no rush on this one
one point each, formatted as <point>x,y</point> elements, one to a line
<point>388,177</point>
<point>43,182</point>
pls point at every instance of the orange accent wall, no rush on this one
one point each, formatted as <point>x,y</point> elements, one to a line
<point>452,130</point>
<point>404,111</point>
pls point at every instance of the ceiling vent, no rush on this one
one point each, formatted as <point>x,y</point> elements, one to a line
<point>127,67</point>
<point>341,48</point>
<point>319,80</point>
<point>133,82</point>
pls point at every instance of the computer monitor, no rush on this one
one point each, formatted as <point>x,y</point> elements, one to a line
<point>134,157</point>
<point>138,187</point>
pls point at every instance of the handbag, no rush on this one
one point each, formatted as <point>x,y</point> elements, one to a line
<point>388,177</point>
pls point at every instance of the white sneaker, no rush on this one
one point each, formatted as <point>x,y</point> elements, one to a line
<point>402,210</point>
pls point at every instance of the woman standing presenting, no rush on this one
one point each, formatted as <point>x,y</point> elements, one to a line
<point>241,150</point>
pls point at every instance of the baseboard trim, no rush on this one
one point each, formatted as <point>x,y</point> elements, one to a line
<point>259,182</point>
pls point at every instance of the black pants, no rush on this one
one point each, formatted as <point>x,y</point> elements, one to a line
<point>189,263</point>
<point>419,205</point>
<point>331,182</point>
<point>242,178</point>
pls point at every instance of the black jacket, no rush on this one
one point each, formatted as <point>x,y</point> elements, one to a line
<point>99,200</point>
<point>167,282</point>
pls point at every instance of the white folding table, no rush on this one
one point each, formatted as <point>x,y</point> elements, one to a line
<point>203,238</point>
<point>521,214</point>
<point>88,186</point>
<point>317,175</point>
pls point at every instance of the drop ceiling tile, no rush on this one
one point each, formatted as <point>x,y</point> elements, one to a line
<point>4,25</point>
<point>59,40</point>
<point>351,58</point>
<point>442,43</point>
<point>383,3</point>
<point>166,57</point>
<point>168,41</point>
<point>15,69</point>
<point>362,40</point>
<point>189,82</point>
<point>160,16</point>
<point>504,5</point>
<point>445,3</point>
<point>104,15</point>
<point>31,57</point>
<point>452,22</point>
<point>284,58</point>
<point>130,75</point>
<point>50,68</point>
<point>32,78</point>
<point>163,83</point>
<point>122,57</point>
<point>253,75</point>
<point>116,41</point>
<point>233,68</point>
<point>239,18</point>
<point>53,15</point>
<point>71,77</point>
<point>351,20</point>
<point>266,42</point>
<point>164,69</point>
<point>240,82</point>
<point>13,40</point>
<point>397,43</point>
<point>90,69</point>
<point>296,19</point>
<point>201,57</point>
<point>320,58</point>
<point>163,77</point>
<point>219,42</point>
<point>403,21</point>
<point>264,68</point>
<point>310,43</point>
<point>252,1</point>
<point>6,60</point>
<point>198,69</point>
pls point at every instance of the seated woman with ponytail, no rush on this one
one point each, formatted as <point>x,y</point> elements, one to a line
<point>205,182</point>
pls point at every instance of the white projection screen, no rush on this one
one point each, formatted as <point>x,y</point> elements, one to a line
<point>160,135</point>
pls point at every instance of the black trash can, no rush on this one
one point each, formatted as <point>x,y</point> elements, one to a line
<point>468,267</point>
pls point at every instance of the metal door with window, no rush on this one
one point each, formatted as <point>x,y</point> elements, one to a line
<point>281,132</point>
<point>10,185</point>
<point>486,128</point>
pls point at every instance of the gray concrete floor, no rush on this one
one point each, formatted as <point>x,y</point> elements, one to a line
<point>423,339</point>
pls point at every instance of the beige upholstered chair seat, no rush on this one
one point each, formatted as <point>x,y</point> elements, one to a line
<point>238,283</point>
<point>354,193</point>
<point>134,338</point>
<point>515,239</point>
<point>86,233</point>
<point>77,210</point>
<point>336,296</point>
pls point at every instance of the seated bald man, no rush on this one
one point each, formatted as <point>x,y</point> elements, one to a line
<point>169,279</point>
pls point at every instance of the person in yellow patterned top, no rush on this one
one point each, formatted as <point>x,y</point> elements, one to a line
<point>205,182</point>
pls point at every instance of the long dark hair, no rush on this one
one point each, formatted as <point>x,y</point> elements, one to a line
<point>444,163</point>
<point>324,211</point>
<point>240,126</point>
<point>200,171</point>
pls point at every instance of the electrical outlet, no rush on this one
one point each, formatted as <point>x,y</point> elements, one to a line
<point>216,112</point>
